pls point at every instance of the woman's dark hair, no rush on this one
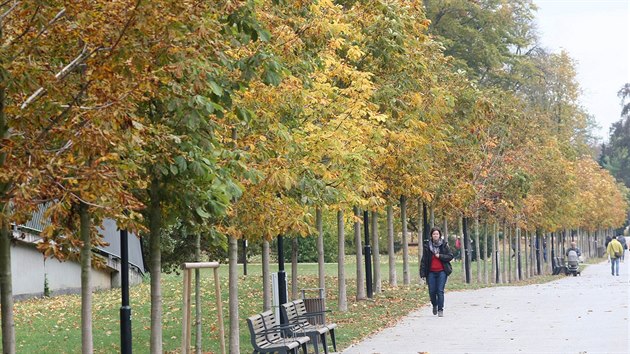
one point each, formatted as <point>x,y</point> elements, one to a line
<point>435,229</point>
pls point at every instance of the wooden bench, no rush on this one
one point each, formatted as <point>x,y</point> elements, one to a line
<point>308,323</point>
<point>267,336</point>
<point>558,266</point>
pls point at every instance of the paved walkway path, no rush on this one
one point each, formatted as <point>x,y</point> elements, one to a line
<point>584,314</point>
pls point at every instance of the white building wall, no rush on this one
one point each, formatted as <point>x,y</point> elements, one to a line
<point>29,269</point>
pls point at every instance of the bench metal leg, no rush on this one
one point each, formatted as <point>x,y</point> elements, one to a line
<point>324,343</point>
<point>304,348</point>
<point>315,343</point>
<point>332,336</point>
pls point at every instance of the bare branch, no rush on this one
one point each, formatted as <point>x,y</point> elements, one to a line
<point>73,64</point>
<point>59,15</point>
<point>79,198</point>
<point>61,150</point>
<point>5,3</point>
<point>84,55</point>
<point>127,24</point>
<point>63,113</point>
<point>91,108</point>
<point>28,28</point>
<point>15,4</point>
<point>40,91</point>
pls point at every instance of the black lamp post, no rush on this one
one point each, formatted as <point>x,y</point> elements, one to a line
<point>125,309</point>
<point>244,246</point>
<point>553,255</point>
<point>368,255</point>
<point>282,282</point>
<point>467,249</point>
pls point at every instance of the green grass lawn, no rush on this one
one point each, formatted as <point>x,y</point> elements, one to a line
<point>52,325</point>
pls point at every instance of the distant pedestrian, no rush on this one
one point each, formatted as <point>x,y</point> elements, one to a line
<point>614,250</point>
<point>436,267</point>
<point>624,245</point>
<point>458,248</point>
<point>608,239</point>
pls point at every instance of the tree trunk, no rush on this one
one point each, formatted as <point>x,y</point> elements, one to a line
<point>6,282</point>
<point>294,268</point>
<point>378,284</point>
<point>477,248</point>
<point>6,288</point>
<point>464,256</point>
<point>445,227</point>
<point>405,244</point>
<point>320,248</point>
<point>233,285</point>
<point>198,295</point>
<point>233,294</point>
<point>468,251</point>
<point>493,260</point>
<point>485,252</point>
<point>357,243</point>
<point>342,303</point>
<point>266,275</point>
<point>512,251</point>
<point>155,267</point>
<point>391,255</point>
<point>87,344</point>
<point>547,255</point>
<point>421,232</point>
<point>519,269</point>
<point>503,273</point>
<point>528,254</point>
<point>539,255</point>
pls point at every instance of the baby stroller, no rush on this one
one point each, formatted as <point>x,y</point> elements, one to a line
<point>572,264</point>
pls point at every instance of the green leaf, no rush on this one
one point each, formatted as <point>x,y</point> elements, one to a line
<point>264,35</point>
<point>181,163</point>
<point>202,212</point>
<point>216,89</point>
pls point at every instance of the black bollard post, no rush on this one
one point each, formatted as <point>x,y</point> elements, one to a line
<point>282,277</point>
<point>554,265</point>
<point>244,247</point>
<point>368,255</point>
<point>466,249</point>
<point>125,309</point>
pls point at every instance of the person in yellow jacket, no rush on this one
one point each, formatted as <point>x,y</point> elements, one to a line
<point>614,250</point>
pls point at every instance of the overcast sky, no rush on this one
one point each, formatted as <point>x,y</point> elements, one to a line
<point>596,33</point>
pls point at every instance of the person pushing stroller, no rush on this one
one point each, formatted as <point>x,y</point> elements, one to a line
<point>573,260</point>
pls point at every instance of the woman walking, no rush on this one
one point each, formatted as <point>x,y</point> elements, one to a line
<point>436,267</point>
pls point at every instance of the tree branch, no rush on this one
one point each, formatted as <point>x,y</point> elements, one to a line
<point>33,97</point>
<point>124,30</point>
<point>59,15</point>
<point>28,28</point>
<point>79,198</point>
<point>63,113</point>
<point>6,13</point>
<point>84,55</point>
<point>5,3</point>
<point>95,108</point>
<point>73,64</point>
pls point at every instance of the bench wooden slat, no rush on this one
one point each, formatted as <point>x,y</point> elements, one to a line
<point>295,314</point>
<point>265,335</point>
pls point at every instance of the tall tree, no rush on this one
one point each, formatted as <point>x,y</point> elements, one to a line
<point>615,155</point>
<point>484,37</point>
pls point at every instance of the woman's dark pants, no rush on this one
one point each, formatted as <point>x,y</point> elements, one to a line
<point>437,282</point>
